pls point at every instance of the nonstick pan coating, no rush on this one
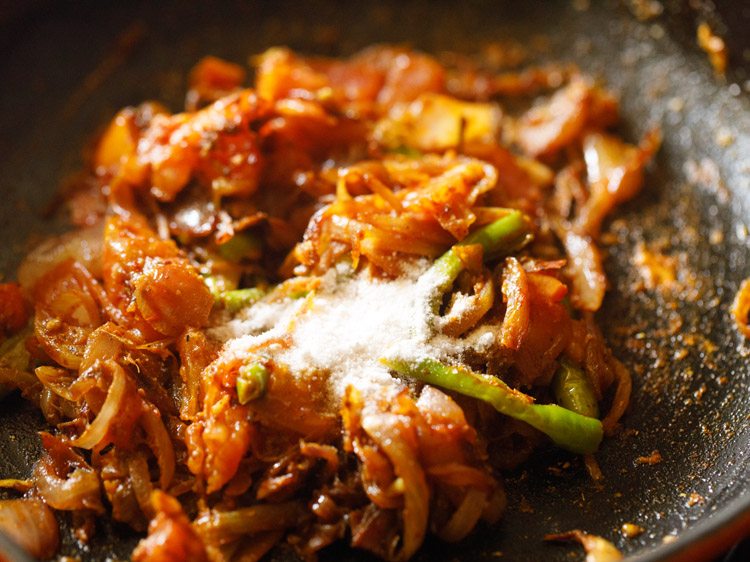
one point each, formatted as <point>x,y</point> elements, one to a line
<point>64,74</point>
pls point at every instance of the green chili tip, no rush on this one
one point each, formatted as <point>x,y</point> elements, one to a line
<point>573,390</point>
<point>252,381</point>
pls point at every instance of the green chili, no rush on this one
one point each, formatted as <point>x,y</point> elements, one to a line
<point>499,238</point>
<point>243,245</point>
<point>573,390</point>
<point>240,298</point>
<point>408,151</point>
<point>568,429</point>
<point>252,381</point>
<point>218,283</point>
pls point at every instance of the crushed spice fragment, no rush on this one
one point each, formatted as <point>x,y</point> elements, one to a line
<point>657,270</point>
<point>654,458</point>
<point>695,499</point>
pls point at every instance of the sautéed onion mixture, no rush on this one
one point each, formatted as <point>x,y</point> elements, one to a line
<point>333,306</point>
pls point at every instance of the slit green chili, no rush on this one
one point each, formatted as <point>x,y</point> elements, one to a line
<point>499,238</point>
<point>567,429</point>
<point>252,381</point>
<point>573,390</point>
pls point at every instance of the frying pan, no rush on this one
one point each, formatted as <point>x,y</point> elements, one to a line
<point>68,67</point>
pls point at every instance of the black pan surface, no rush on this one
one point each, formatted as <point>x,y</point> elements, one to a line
<point>67,68</point>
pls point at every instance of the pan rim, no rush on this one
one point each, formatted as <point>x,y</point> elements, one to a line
<point>701,543</point>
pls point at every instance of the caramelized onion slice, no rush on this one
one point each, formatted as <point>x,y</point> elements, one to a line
<point>159,442</point>
<point>589,283</point>
<point>172,297</point>
<point>387,431</point>
<point>465,518</point>
<point>67,301</point>
<point>97,430</point>
<point>467,310</point>
<point>64,479</point>
<point>741,308</point>
<point>515,290</point>
<point>615,174</point>
<point>220,527</point>
<point>83,246</point>
<point>597,549</point>
<point>435,122</point>
<point>32,525</point>
<point>546,128</point>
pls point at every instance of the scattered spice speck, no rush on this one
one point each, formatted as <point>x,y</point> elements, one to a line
<point>695,499</point>
<point>654,458</point>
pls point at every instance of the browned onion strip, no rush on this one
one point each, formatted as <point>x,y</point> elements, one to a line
<point>597,549</point>
<point>386,430</point>
<point>103,343</point>
<point>515,290</point>
<point>465,518</point>
<point>196,353</point>
<point>159,442</point>
<point>80,490</point>
<point>327,453</point>
<point>56,380</point>
<point>221,527</point>
<point>141,482</point>
<point>615,174</point>
<point>592,467</point>
<point>31,524</point>
<point>462,316</point>
<point>15,378</point>
<point>257,546</point>
<point>459,474</point>
<point>66,312</point>
<point>586,271</point>
<point>84,246</point>
<point>383,190</point>
<point>741,308</point>
<point>16,484</point>
<point>622,396</point>
<point>546,128</point>
<point>61,487</point>
<point>371,182</point>
<point>97,430</point>
<point>495,505</point>
<point>469,172</point>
